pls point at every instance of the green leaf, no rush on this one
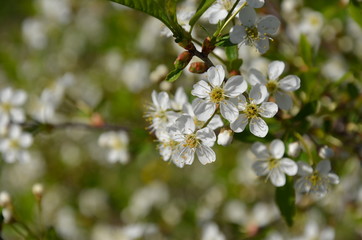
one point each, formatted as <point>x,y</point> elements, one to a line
<point>305,50</point>
<point>232,52</point>
<point>224,41</point>
<point>164,10</point>
<point>174,75</point>
<point>285,199</point>
<point>355,11</point>
<point>203,6</point>
<point>307,109</point>
<point>51,234</point>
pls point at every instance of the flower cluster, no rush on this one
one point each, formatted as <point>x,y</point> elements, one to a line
<point>184,129</point>
<point>13,141</point>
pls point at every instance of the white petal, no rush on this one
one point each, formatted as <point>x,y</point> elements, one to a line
<point>277,148</point>
<point>204,110</point>
<point>247,16</point>
<point>283,100</point>
<point>205,154</point>
<point>239,124</point>
<point>180,99</point>
<point>290,83</point>
<point>25,140</point>
<point>260,151</point>
<point>207,136</point>
<point>256,77</point>
<point>19,98</point>
<point>324,167</point>
<point>15,132</point>
<point>268,109</point>
<point>288,166</point>
<point>215,122</point>
<point>275,69</point>
<point>183,155</point>
<point>201,89</point>
<point>260,168</point>
<point>258,94</point>
<point>333,178</point>
<point>229,110</point>
<point>302,185</point>
<point>6,95</point>
<point>17,115</point>
<point>262,45</point>
<point>237,34</point>
<point>186,124</point>
<point>242,103</point>
<point>277,177</point>
<point>216,75</point>
<point>269,25</point>
<point>235,86</point>
<point>258,127</point>
<point>163,100</point>
<point>165,152</point>
<point>255,3</point>
<point>304,169</point>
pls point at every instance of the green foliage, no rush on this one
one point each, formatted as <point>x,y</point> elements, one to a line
<point>174,75</point>
<point>232,54</point>
<point>307,109</point>
<point>204,5</point>
<point>285,199</point>
<point>224,41</point>
<point>164,10</point>
<point>305,50</point>
<point>355,11</point>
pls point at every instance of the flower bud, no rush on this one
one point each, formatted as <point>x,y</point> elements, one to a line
<point>225,137</point>
<point>234,73</point>
<point>293,149</point>
<point>187,44</point>
<point>198,67</point>
<point>183,59</point>
<point>5,199</point>
<point>38,191</point>
<point>207,46</point>
<point>325,152</point>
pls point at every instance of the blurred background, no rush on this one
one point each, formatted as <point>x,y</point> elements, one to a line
<point>108,59</point>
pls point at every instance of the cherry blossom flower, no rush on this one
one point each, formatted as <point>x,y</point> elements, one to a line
<point>254,32</point>
<point>117,144</point>
<point>315,181</point>
<point>215,93</point>
<point>179,100</point>
<point>167,145</point>
<point>14,145</point>
<point>277,88</point>
<point>159,115</point>
<point>10,105</point>
<point>252,109</point>
<point>192,141</point>
<point>272,163</point>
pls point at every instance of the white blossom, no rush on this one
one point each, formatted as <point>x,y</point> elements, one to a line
<point>159,114</point>
<point>254,32</point>
<point>179,100</point>
<point>192,141</point>
<point>225,137</point>
<point>117,144</point>
<point>272,163</point>
<point>277,88</point>
<point>211,232</point>
<point>252,109</point>
<point>11,102</point>
<point>14,145</point>
<point>315,181</point>
<point>214,93</point>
